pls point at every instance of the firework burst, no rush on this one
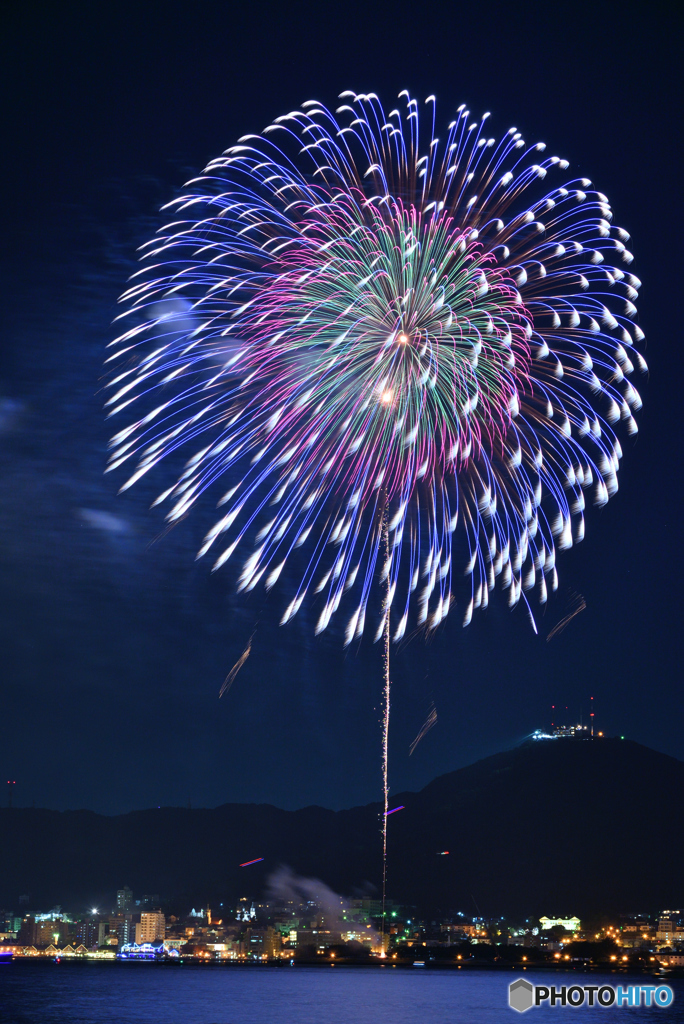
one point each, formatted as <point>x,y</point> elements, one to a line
<point>361,327</point>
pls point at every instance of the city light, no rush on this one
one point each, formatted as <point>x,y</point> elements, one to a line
<point>341,931</point>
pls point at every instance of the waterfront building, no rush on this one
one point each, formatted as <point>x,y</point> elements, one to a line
<point>27,931</point>
<point>141,951</point>
<point>86,932</point>
<point>48,931</point>
<point>174,943</point>
<point>151,928</point>
<point>122,928</point>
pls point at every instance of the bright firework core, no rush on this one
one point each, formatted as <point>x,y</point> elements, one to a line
<point>351,319</point>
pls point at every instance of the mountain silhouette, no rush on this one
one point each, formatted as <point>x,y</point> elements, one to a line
<point>558,827</point>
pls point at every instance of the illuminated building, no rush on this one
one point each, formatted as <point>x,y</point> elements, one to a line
<point>569,731</point>
<point>148,902</point>
<point>124,900</point>
<point>563,732</point>
<point>151,928</point>
<point>370,908</point>
<point>86,932</point>
<point>673,961</point>
<point>477,932</point>
<point>121,929</point>
<point>272,944</point>
<point>54,927</point>
<point>670,927</point>
<point>174,943</point>
<point>10,923</point>
<point>221,950</point>
<point>141,951</point>
<point>570,924</point>
<point>636,932</point>
<point>243,914</point>
<point>27,931</point>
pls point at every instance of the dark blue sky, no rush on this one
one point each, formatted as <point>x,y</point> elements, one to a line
<point>114,646</point>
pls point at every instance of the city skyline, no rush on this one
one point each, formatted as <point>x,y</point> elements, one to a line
<point>266,929</point>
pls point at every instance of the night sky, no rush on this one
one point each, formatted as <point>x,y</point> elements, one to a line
<point>114,642</point>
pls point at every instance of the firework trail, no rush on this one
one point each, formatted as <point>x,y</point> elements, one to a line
<point>348,312</point>
<point>230,678</point>
<point>426,726</point>
<point>579,605</point>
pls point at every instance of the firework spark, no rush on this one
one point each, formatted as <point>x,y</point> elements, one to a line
<point>426,726</point>
<point>347,314</point>
<point>578,605</point>
<point>230,678</point>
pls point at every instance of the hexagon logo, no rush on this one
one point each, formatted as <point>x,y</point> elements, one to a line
<point>520,995</point>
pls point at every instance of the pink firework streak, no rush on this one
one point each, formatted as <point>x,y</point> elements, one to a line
<point>248,862</point>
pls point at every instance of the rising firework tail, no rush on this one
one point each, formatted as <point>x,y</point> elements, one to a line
<point>387,692</point>
<point>347,315</point>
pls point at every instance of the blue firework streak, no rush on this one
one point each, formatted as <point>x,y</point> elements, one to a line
<point>369,332</point>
